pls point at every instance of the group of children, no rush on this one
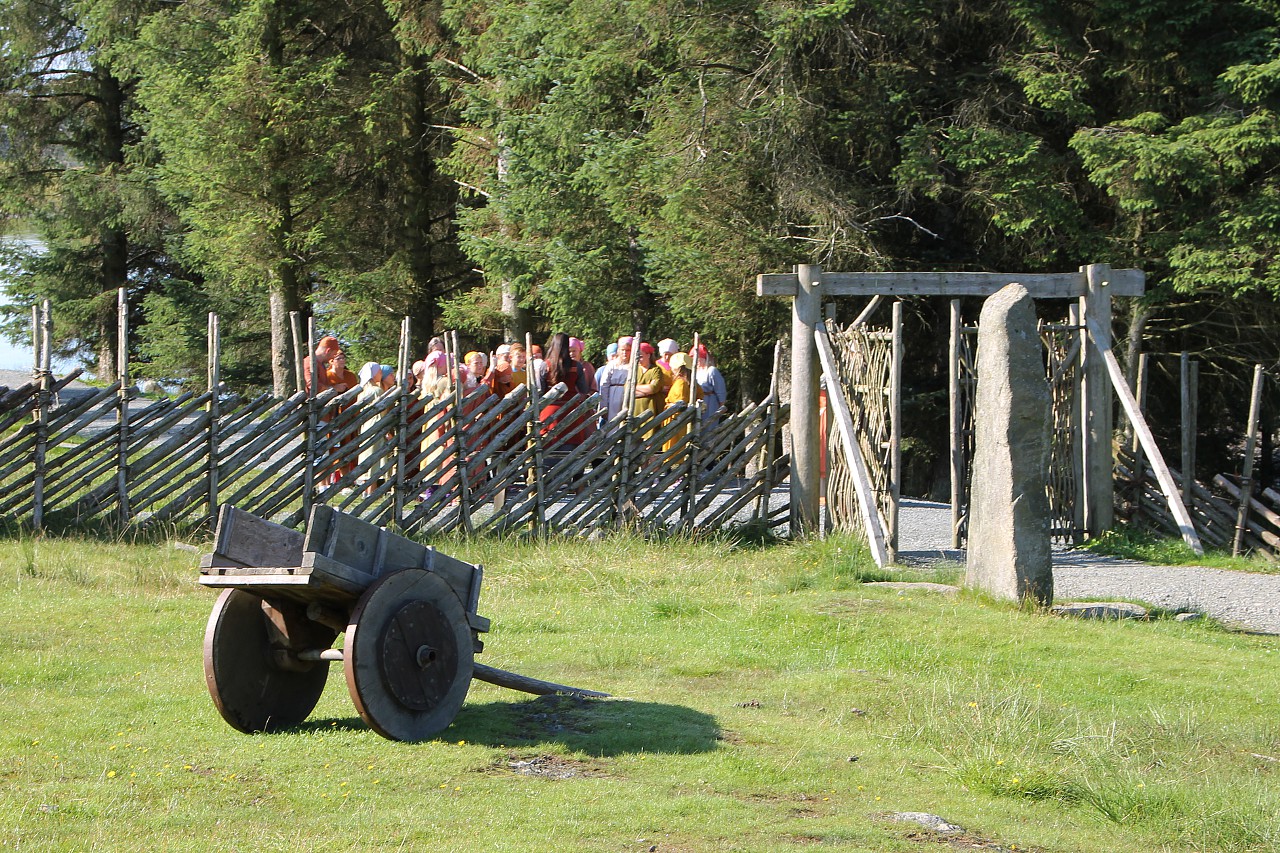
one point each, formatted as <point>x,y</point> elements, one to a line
<point>665,374</point>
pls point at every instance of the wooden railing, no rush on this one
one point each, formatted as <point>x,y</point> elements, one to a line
<point>420,466</point>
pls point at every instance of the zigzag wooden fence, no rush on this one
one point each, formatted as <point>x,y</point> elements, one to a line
<point>422,466</point>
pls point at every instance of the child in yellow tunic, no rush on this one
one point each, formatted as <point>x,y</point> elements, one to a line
<point>681,375</point>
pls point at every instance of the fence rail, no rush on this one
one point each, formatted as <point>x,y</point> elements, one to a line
<point>477,464</point>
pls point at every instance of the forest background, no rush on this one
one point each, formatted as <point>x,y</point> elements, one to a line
<point>597,166</point>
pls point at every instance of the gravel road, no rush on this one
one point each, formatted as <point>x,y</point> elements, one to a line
<point>1243,600</point>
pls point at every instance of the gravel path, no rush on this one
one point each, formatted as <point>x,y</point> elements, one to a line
<point>1240,599</point>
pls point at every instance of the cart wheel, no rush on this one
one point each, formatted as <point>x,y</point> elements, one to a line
<point>251,691</point>
<point>408,655</point>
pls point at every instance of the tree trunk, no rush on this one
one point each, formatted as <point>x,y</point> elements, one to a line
<point>113,241</point>
<point>283,299</point>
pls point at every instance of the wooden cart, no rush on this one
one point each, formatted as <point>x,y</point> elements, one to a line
<point>408,613</point>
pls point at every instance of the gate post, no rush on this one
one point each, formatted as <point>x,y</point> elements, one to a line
<point>1096,401</point>
<point>806,314</point>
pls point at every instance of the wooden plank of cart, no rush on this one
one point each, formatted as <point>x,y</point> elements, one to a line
<point>408,613</point>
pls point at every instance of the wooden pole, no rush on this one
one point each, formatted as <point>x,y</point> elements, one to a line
<point>895,429</point>
<point>214,409</point>
<point>536,481</point>
<point>1095,306</point>
<point>628,409</point>
<point>694,437</point>
<point>1135,448</point>
<point>122,416</point>
<point>460,451</point>
<point>1246,473</point>
<point>629,392</point>
<point>1100,339</point>
<point>806,316</point>
<point>771,435</point>
<point>872,304</point>
<point>309,438</point>
<point>954,420</point>
<point>42,364</point>
<point>404,401</point>
<point>295,326</point>
<point>1188,429</point>
<point>857,465</point>
<point>1079,416</point>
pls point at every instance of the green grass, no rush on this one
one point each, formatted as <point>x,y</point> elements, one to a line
<point>772,702</point>
<point>1167,551</point>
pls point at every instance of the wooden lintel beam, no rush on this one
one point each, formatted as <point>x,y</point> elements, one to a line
<point>1070,285</point>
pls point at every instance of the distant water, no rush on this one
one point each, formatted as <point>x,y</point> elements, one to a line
<point>19,356</point>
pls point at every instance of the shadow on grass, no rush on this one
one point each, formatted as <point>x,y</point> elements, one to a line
<point>597,727</point>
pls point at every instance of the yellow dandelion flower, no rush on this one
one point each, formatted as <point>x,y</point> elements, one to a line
<point>111,774</point>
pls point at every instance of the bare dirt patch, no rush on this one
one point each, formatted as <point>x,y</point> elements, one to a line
<point>549,767</point>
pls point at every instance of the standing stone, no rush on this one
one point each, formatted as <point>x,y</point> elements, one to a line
<point>1009,554</point>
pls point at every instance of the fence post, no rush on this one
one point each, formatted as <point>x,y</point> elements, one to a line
<point>534,437</point>
<point>694,436</point>
<point>214,409</point>
<point>1189,385</point>
<point>459,449</point>
<point>806,314</point>
<point>42,353</point>
<point>295,327</point>
<point>309,435</point>
<point>122,374</point>
<point>1095,308</point>
<point>1246,472</point>
<point>895,429</point>
<point>771,436</point>
<point>954,417</point>
<point>404,400</point>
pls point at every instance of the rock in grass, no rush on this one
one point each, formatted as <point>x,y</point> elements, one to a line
<point>904,587</point>
<point>1009,555</point>
<point>928,821</point>
<point>1101,610</point>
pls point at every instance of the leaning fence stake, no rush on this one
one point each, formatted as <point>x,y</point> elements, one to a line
<point>1167,484</point>
<point>857,465</point>
<point>1246,473</point>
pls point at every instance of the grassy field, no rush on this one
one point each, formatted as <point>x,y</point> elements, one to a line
<point>772,702</point>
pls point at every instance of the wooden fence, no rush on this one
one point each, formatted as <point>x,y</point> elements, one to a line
<point>421,466</point>
<point>869,362</point>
